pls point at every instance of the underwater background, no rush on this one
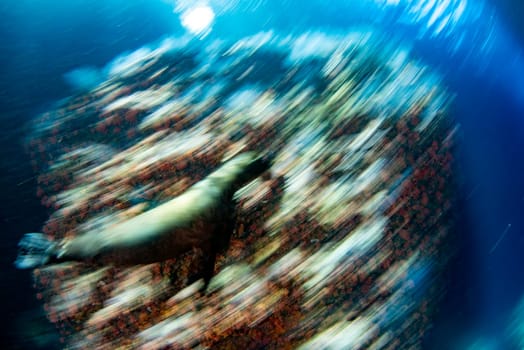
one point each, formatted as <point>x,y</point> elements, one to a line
<point>475,45</point>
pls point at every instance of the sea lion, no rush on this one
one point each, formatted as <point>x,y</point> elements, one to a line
<point>200,217</point>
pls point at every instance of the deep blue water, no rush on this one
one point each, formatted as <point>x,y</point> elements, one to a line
<point>42,41</point>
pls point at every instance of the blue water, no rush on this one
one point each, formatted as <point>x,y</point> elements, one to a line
<point>480,55</point>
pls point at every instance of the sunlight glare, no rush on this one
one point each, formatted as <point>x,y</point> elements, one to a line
<point>198,20</point>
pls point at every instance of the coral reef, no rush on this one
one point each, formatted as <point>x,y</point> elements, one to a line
<point>340,248</point>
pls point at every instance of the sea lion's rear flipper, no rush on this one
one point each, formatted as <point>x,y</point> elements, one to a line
<point>35,249</point>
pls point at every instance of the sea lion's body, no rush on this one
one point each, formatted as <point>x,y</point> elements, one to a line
<point>200,217</point>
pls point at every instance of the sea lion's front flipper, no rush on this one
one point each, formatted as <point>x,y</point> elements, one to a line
<point>203,265</point>
<point>208,267</point>
<point>218,243</point>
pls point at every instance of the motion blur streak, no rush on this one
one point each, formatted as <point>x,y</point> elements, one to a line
<point>341,247</point>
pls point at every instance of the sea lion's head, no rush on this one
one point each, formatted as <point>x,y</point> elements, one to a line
<point>248,166</point>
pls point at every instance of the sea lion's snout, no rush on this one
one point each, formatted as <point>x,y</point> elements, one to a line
<point>259,166</point>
